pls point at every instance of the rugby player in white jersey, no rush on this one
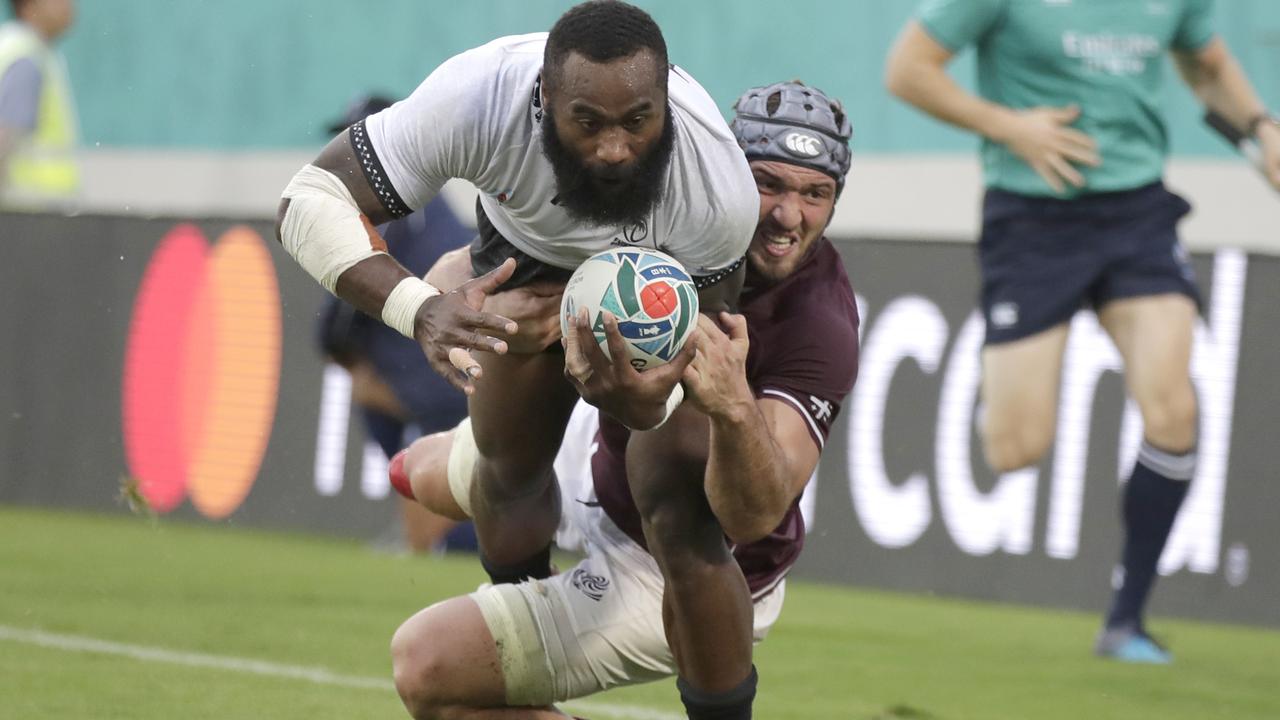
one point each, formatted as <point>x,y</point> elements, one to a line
<point>659,515</point>
<point>578,140</point>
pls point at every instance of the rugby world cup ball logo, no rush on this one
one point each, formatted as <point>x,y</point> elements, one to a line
<point>201,371</point>
<point>649,292</point>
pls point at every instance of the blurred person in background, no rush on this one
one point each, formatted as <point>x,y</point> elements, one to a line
<point>398,394</point>
<point>771,380</point>
<point>38,126</point>
<point>1075,214</point>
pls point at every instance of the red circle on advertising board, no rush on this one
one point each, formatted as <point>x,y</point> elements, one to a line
<point>201,371</point>
<point>154,368</point>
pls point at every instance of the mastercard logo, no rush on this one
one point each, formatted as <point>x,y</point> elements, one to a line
<point>202,370</point>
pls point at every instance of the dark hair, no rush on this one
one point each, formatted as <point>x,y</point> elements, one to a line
<point>17,5</point>
<point>603,30</point>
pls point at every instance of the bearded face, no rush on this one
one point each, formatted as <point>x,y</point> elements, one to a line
<point>608,133</point>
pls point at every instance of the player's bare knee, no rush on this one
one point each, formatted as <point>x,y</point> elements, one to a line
<point>501,482</point>
<point>669,488</point>
<point>426,465</point>
<point>1170,420</point>
<point>670,505</point>
<point>684,535</point>
<point>526,448</point>
<point>692,561</point>
<point>1012,449</point>
<point>419,668</point>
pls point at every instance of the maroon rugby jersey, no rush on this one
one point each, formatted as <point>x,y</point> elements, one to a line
<point>804,351</point>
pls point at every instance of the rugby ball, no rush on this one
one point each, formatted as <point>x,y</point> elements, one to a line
<point>650,293</point>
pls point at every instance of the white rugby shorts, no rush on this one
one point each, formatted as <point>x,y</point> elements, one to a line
<point>598,624</point>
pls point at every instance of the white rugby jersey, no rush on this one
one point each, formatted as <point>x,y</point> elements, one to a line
<point>474,118</point>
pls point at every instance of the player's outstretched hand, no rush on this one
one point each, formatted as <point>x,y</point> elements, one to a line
<point>536,310</point>
<point>449,326</point>
<point>534,307</point>
<point>715,381</point>
<point>636,399</point>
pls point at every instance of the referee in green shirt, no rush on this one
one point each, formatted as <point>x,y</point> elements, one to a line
<point>1075,213</point>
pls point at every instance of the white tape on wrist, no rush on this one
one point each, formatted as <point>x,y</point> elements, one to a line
<point>401,307</point>
<point>673,401</point>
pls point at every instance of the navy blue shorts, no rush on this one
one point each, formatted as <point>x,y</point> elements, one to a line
<point>490,249</point>
<point>1044,258</point>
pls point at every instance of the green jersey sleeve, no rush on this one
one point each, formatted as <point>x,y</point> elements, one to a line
<point>957,23</point>
<point>1196,27</point>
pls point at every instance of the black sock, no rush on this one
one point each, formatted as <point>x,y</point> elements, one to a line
<point>1151,500</point>
<point>732,704</point>
<point>535,567</point>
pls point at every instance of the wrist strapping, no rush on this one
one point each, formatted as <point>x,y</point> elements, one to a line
<point>673,401</point>
<point>401,306</point>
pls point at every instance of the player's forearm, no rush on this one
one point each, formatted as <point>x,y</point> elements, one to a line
<point>1221,85</point>
<point>367,284</point>
<point>747,480</point>
<point>927,86</point>
<point>320,225</point>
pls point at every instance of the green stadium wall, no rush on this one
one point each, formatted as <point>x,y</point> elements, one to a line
<point>247,74</point>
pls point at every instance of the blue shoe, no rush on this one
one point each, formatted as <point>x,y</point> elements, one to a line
<point>1131,645</point>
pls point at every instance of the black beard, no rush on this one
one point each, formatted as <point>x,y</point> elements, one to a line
<point>627,200</point>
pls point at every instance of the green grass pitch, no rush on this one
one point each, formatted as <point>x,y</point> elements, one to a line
<point>105,617</point>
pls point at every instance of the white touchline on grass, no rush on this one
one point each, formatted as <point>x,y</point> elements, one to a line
<point>320,676</point>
